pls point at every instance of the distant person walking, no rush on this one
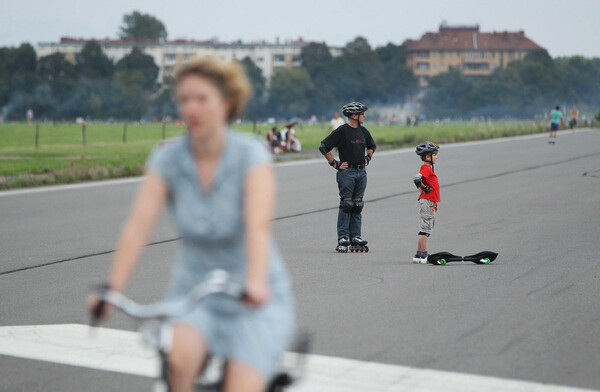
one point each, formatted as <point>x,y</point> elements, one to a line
<point>556,120</point>
<point>29,116</point>
<point>574,117</point>
<point>335,122</point>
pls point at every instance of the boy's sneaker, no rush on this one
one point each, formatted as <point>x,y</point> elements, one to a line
<point>423,259</point>
<point>417,258</point>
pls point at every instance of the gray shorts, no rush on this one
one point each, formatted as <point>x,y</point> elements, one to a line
<point>427,215</point>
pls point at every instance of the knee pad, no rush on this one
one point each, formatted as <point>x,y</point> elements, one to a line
<point>347,205</point>
<point>358,205</point>
<point>423,233</point>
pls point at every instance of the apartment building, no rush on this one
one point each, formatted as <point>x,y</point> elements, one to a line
<point>467,49</point>
<point>168,55</point>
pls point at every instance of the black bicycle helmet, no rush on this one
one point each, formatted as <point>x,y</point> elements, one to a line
<point>353,108</point>
<point>426,148</point>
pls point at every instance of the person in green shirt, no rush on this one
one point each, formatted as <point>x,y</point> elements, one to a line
<point>556,120</point>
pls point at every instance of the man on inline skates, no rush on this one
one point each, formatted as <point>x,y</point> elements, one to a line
<point>351,139</point>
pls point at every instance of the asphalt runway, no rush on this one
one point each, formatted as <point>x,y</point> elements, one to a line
<point>533,314</point>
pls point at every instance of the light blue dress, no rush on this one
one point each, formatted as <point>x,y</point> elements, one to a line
<point>213,236</point>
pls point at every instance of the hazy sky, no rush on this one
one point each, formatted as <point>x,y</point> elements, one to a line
<point>563,27</point>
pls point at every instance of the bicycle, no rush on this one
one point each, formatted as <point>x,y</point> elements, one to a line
<point>157,334</point>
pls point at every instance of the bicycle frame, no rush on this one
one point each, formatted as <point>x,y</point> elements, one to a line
<point>157,334</point>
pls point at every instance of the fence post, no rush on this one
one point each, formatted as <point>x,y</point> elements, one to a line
<point>83,129</point>
<point>37,134</point>
<point>125,132</point>
<point>164,133</point>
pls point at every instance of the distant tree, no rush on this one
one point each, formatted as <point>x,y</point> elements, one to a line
<point>358,47</point>
<point>315,57</point>
<point>54,67</point>
<point>138,25</point>
<point>580,78</point>
<point>256,103</point>
<point>137,61</point>
<point>163,104</point>
<point>399,80</point>
<point>91,62</point>
<point>24,59</point>
<point>447,95</point>
<point>290,91</point>
<point>357,74</point>
<point>132,100</point>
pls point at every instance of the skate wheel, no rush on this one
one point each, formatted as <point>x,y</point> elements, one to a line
<point>486,260</point>
<point>442,262</point>
<point>366,249</point>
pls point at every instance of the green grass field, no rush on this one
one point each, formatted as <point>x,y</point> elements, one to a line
<point>61,158</point>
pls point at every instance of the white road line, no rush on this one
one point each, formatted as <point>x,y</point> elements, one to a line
<point>121,351</point>
<point>51,188</point>
<point>93,184</point>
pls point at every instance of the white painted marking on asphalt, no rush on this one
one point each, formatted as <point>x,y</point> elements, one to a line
<point>122,352</point>
<point>92,184</point>
<point>51,188</point>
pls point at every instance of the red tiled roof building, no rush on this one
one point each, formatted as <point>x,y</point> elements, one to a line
<point>473,52</point>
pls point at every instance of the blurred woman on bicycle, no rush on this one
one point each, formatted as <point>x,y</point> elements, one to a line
<point>220,189</point>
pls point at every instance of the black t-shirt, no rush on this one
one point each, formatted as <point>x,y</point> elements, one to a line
<point>351,143</point>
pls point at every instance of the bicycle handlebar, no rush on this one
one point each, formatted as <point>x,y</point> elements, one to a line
<point>217,282</point>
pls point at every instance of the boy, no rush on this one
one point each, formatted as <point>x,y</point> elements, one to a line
<point>426,181</point>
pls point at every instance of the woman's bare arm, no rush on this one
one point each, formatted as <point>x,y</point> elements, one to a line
<point>138,229</point>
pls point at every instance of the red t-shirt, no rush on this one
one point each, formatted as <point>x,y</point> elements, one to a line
<point>430,178</point>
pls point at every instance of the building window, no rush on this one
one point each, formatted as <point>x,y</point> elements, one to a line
<point>510,55</point>
<point>423,53</point>
<point>441,55</point>
<point>433,67</point>
<point>423,66</point>
<point>519,55</point>
<point>441,67</point>
<point>482,55</point>
<point>458,54</point>
<point>493,55</point>
<point>260,59</point>
<point>423,79</point>
<point>470,55</point>
<point>433,54</point>
<point>476,66</point>
<point>170,56</point>
<point>279,57</point>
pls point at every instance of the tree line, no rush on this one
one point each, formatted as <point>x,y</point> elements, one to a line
<point>523,89</point>
<point>93,86</point>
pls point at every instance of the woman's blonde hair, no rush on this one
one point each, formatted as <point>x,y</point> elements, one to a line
<point>228,76</point>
